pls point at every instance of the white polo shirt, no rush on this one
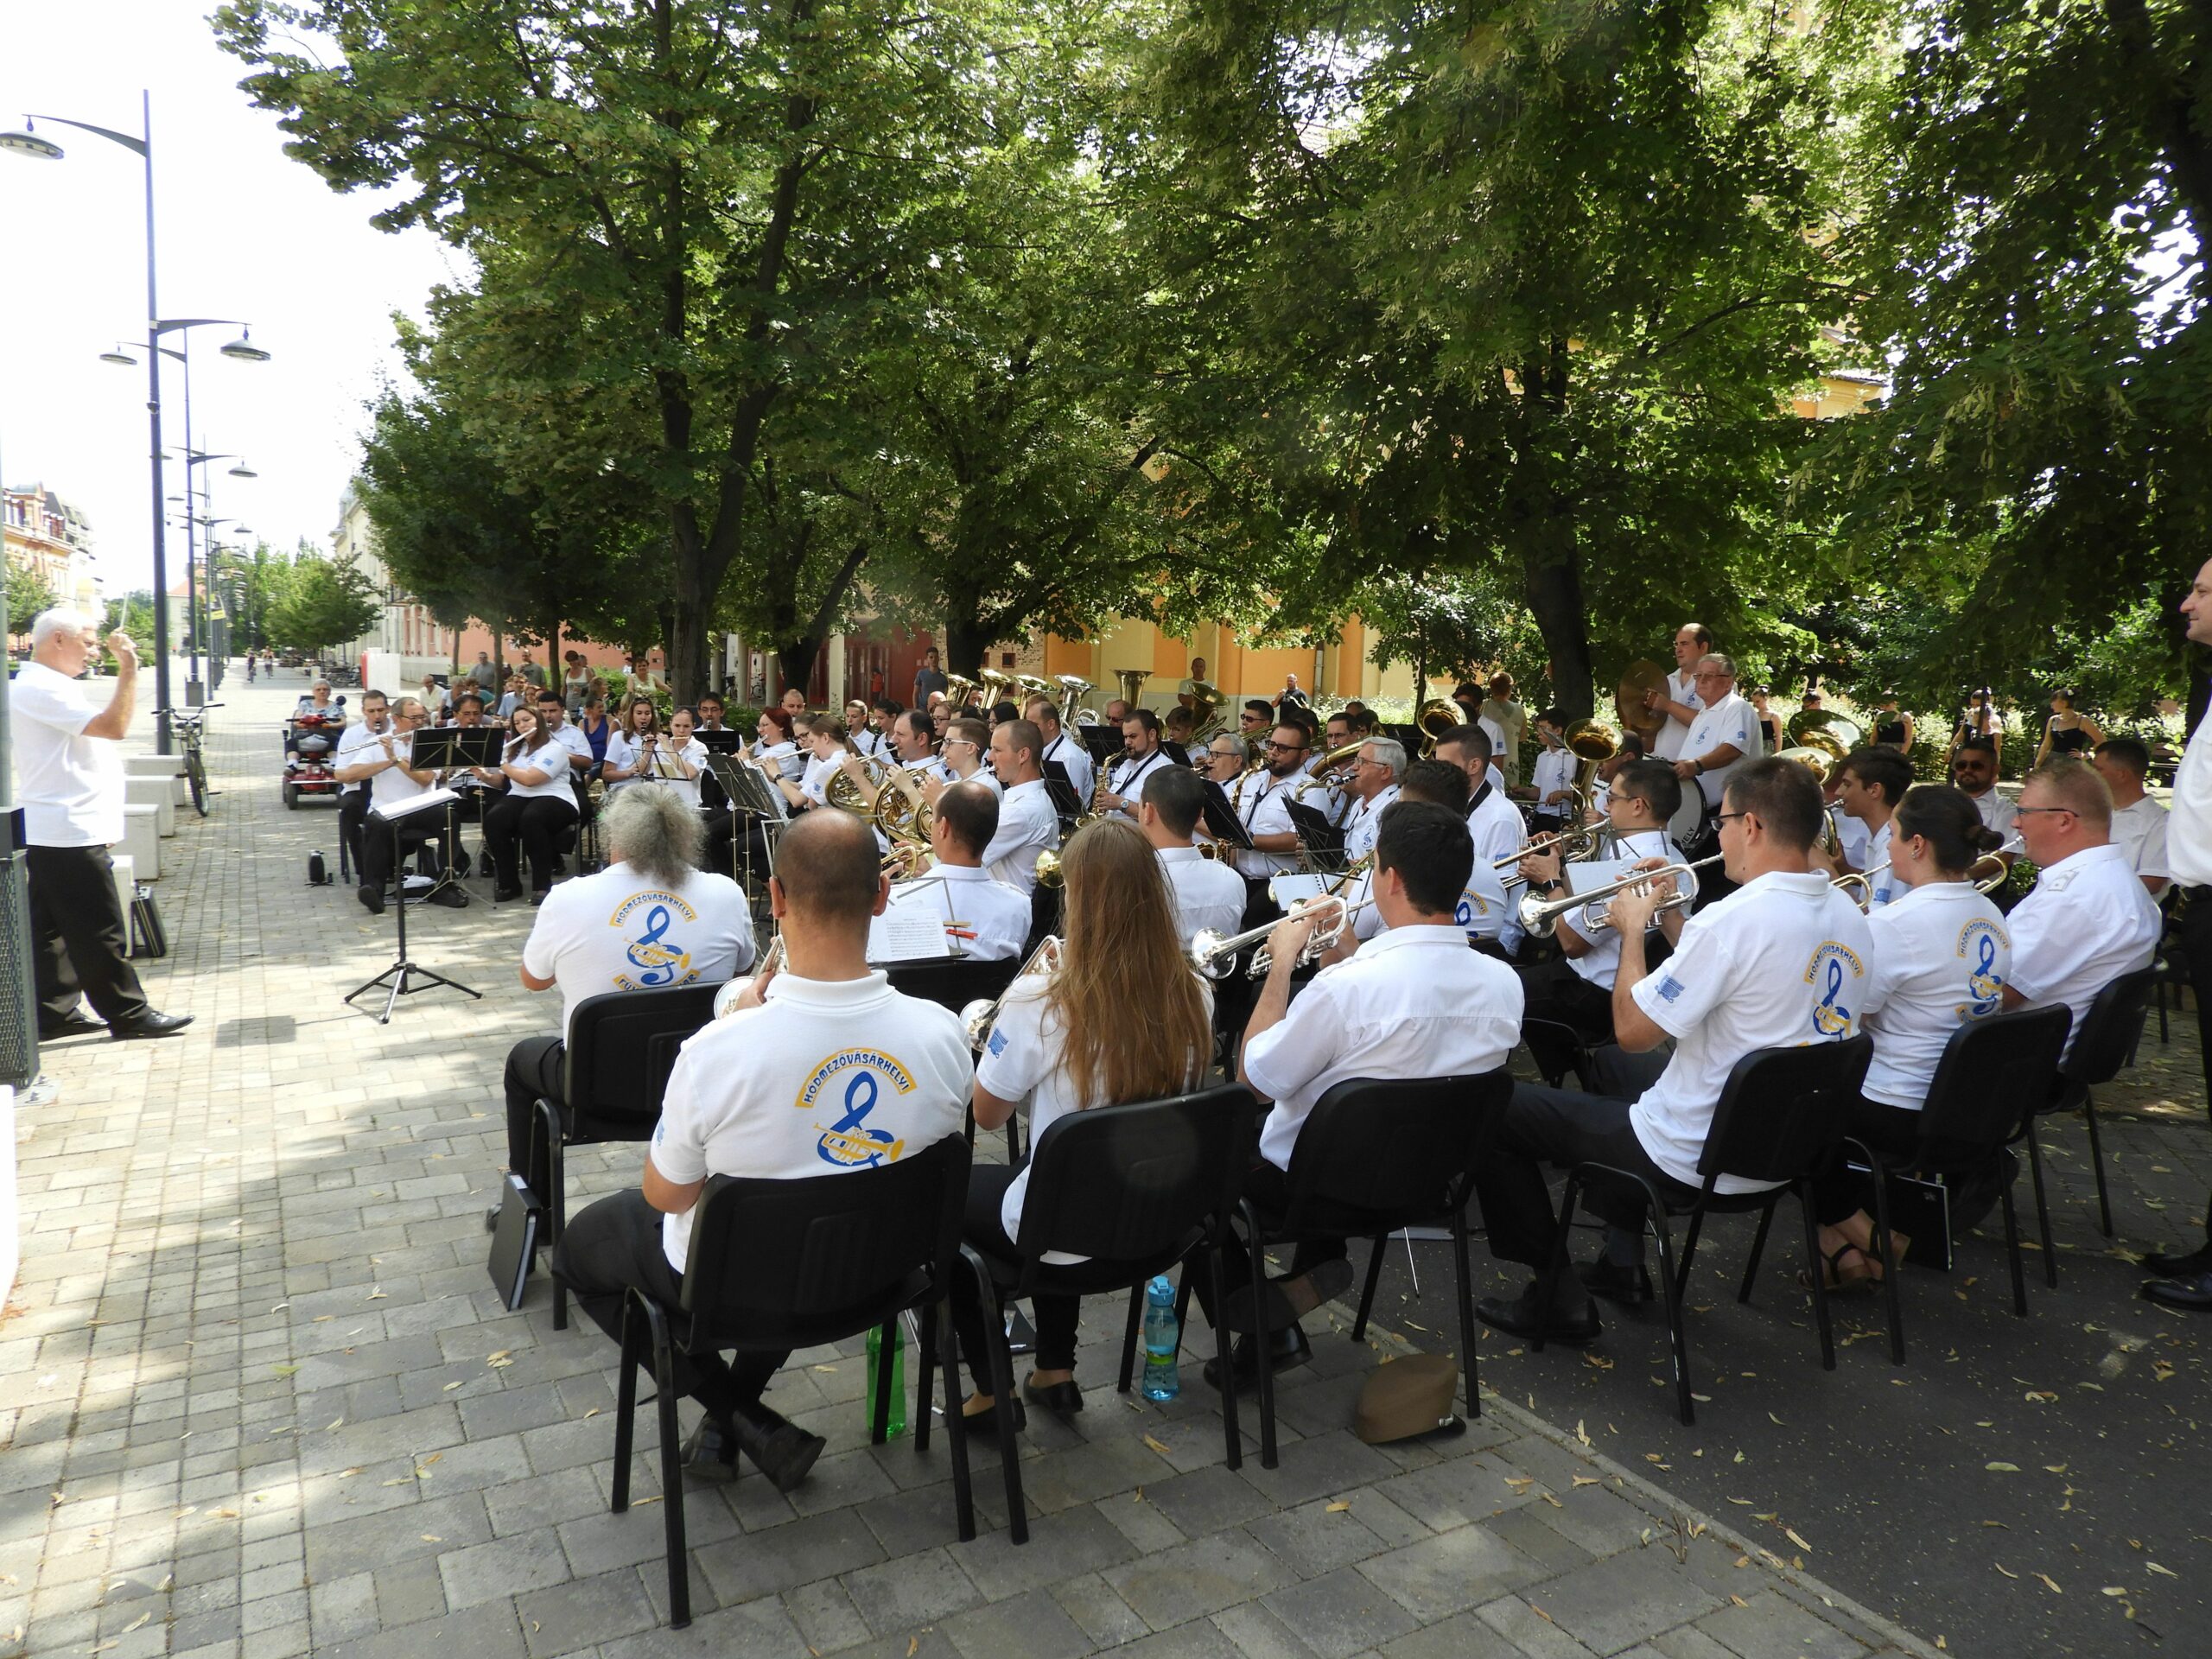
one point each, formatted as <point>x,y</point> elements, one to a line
<point>1126,777</point>
<point>1074,755</point>
<point>1885,886</point>
<point>1682,686</point>
<point>550,758</point>
<point>1263,807</point>
<point>779,760</point>
<point>1366,823</point>
<point>999,915</point>
<point>1027,826</point>
<point>1941,955</point>
<point>824,1076</point>
<point>1781,961</point>
<point>392,785</point>
<point>1601,963</point>
<point>352,742</point>
<point>1482,910</point>
<point>1415,1002</point>
<point>70,786</point>
<point>2140,832</point>
<point>2188,826</point>
<point>1729,720</point>
<point>1996,813</point>
<point>1553,771</point>
<point>1207,892</point>
<point>2087,922</point>
<point>617,931</point>
<point>1498,827</point>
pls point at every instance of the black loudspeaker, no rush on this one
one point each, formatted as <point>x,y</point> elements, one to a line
<point>318,872</point>
<point>18,989</point>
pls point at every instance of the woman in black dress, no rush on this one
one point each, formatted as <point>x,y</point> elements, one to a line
<point>2067,731</point>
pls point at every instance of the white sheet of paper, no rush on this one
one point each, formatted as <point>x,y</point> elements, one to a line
<point>911,927</point>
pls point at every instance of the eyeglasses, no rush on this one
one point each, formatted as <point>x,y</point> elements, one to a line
<point>1285,748</point>
<point>1712,676</point>
<point>2023,811</point>
<point>1720,818</point>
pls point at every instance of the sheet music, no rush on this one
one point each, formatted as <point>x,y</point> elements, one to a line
<point>438,795</point>
<point>912,925</point>
<point>1287,890</point>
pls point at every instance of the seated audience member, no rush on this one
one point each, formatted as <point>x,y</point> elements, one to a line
<point>2138,819</point>
<point>1782,961</point>
<point>994,918</point>
<point>728,1111</point>
<point>2086,920</point>
<point>1207,892</point>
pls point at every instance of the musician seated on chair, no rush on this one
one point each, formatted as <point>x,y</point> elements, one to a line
<point>2139,818</point>
<point>2088,920</point>
<point>1141,757</point>
<point>1071,753</point>
<point>1120,1017</point>
<point>965,758</point>
<point>1375,777</point>
<point>1869,782</point>
<point>1551,778</point>
<point>1492,819</point>
<point>385,766</point>
<point>1576,989</point>
<point>994,916</point>
<point>1415,1002</point>
<point>1784,960</point>
<point>819,1069</point>
<point>1207,892</point>
<point>1482,910</point>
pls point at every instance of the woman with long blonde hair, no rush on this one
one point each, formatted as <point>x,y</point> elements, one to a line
<point>1119,1017</point>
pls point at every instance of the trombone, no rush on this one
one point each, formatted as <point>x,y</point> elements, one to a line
<point>1540,916</point>
<point>979,1016</point>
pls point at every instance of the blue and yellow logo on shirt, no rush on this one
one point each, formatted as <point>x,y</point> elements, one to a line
<point>659,960</point>
<point>1978,943</point>
<point>1832,1015</point>
<point>854,1078</point>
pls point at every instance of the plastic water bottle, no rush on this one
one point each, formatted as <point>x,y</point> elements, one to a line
<point>1161,1333</point>
<point>897,1426</point>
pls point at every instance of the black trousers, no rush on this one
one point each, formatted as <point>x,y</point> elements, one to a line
<point>1553,991</point>
<point>80,938</point>
<point>416,831</point>
<point>536,1069</point>
<point>531,824</point>
<point>1837,1192</point>
<point>1056,1317</point>
<point>353,807</point>
<point>1268,1189</point>
<point>1561,1127</point>
<point>614,1245</point>
<point>2196,948</point>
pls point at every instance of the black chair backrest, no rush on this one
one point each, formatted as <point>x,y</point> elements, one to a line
<point>622,1047</point>
<point>1126,1183</point>
<point>1400,1146</point>
<point>1993,1074</point>
<point>812,1259</point>
<point>954,985</point>
<point>1783,1109</point>
<point>2110,1030</point>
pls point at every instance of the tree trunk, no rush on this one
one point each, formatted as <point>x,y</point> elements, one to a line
<point>688,634</point>
<point>795,661</point>
<point>1551,559</point>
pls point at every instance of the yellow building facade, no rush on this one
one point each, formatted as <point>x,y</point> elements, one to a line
<point>1240,668</point>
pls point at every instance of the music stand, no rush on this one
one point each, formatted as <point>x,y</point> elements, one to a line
<point>1068,804</point>
<point>402,970</point>
<point>443,748</point>
<point>722,742</point>
<point>1104,742</point>
<point>1221,820</point>
<point>751,796</point>
<point>1323,842</point>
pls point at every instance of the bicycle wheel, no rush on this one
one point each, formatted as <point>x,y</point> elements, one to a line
<point>195,774</point>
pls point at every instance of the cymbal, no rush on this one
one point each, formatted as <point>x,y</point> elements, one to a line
<point>1638,678</point>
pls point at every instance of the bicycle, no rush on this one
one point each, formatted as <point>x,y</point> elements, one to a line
<point>185,723</point>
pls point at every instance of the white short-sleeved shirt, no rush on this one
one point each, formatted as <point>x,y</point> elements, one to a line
<point>617,931</point>
<point>70,786</point>
<point>1263,808</point>
<point>1415,1002</point>
<point>2140,832</point>
<point>1941,955</point>
<point>1027,826</point>
<point>999,914</point>
<point>814,785</point>
<point>779,760</point>
<point>2087,922</point>
<point>1732,720</point>
<point>1021,1061</point>
<point>550,758</point>
<point>1885,887</point>
<point>1498,827</point>
<point>392,785</point>
<point>1366,822</point>
<point>1126,776</point>
<point>1781,961</point>
<point>1207,892</point>
<point>2188,826</point>
<point>1996,813</point>
<point>1482,910</point>
<point>824,1076</point>
<point>1601,963</point>
<point>1671,743</point>
<point>1074,754</point>
<point>577,743</point>
<point>352,744</point>
<point>1553,771</point>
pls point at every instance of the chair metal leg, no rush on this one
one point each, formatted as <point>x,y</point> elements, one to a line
<point>2043,1210</point>
<point>1263,1361</point>
<point>1690,1238</point>
<point>1003,1393</point>
<point>2160,986</point>
<point>2097,1161</point>
<point>955,1421</point>
<point>1759,1250</point>
<point>672,1472</point>
<point>1819,1279</point>
<point>1182,1313</point>
<point>1891,1269</point>
<point>625,1402</point>
<point>879,1428</point>
<point>2012,1251</point>
<point>1463,1277</point>
<point>546,1123</point>
<point>1678,1339</point>
<point>1367,1293</point>
<point>1129,1330</point>
<point>925,1374</point>
<point>1232,1432</point>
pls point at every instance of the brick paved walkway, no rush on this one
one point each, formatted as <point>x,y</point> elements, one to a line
<point>258,1397</point>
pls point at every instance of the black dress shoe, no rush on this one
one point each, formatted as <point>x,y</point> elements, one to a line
<point>710,1453</point>
<point>2183,1295</point>
<point>1061,1399</point>
<point>1532,1314</point>
<point>79,1024</point>
<point>1286,1350</point>
<point>2180,1264</point>
<point>505,895</point>
<point>371,898</point>
<point>449,898</point>
<point>986,1423</point>
<point>538,897</point>
<point>151,1024</point>
<point>1629,1285</point>
<point>779,1449</point>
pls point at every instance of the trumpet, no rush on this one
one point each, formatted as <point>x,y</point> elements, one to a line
<point>1999,871</point>
<point>1332,771</point>
<point>979,1016</point>
<point>1540,916</point>
<point>1857,885</point>
<point>1213,954</point>
<point>1569,844</point>
<point>772,962</point>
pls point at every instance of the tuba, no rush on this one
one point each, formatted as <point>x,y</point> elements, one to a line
<point>1132,680</point>
<point>1638,680</point>
<point>1073,689</point>
<point>1834,735</point>
<point>959,689</point>
<point>1437,716</point>
<point>1205,709</point>
<point>1593,743</point>
<point>1332,771</point>
<point>996,688</point>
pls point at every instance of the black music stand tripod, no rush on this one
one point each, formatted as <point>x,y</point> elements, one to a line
<point>396,979</point>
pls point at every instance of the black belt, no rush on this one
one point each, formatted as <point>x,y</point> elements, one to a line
<point>2193,895</point>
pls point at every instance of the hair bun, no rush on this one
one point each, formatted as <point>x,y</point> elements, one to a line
<point>1986,839</point>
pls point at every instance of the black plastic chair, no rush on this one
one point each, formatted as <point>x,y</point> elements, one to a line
<point>1135,1188</point>
<point>780,1264</point>
<point>1779,1120</point>
<point>1374,1155</point>
<point>1993,1074</point>
<point>2103,1046</point>
<point>2171,962</point>
<point>622,1047</point>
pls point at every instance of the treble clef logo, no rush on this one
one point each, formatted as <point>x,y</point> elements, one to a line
<point>848,1141</point>
<point>656,961</point>
<point>1832,1019</point>
<point>1983,982</point>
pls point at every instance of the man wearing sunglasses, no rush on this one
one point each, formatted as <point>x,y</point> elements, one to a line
<point>1262,804</point>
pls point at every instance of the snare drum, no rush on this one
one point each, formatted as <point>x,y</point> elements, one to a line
<point>1693,820</point>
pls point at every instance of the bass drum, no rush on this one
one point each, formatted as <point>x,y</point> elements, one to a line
<point>1692,823</point>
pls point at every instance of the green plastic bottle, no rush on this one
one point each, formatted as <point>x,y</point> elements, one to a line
<point>897,1425</point>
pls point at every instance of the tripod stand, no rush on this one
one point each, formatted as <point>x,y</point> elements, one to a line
<point>395,978</point>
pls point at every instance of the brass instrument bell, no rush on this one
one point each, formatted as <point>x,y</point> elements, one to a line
<point>1638,680</point>
<point>1132,680</point>
<point>1833,734</point>
<point>1437,716</point>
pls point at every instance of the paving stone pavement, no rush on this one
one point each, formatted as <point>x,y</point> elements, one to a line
<point>258,1398</point>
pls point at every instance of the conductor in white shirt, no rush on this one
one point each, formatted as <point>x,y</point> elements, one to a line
<point>2139,821</point>
<point>1781,961</point>
<point>994,918</point>
<point>69,778</point>
<point>889,1075</point>
<point>1207,892</point>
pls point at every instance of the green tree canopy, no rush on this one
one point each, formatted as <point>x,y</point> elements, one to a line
<point>324,602</point>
